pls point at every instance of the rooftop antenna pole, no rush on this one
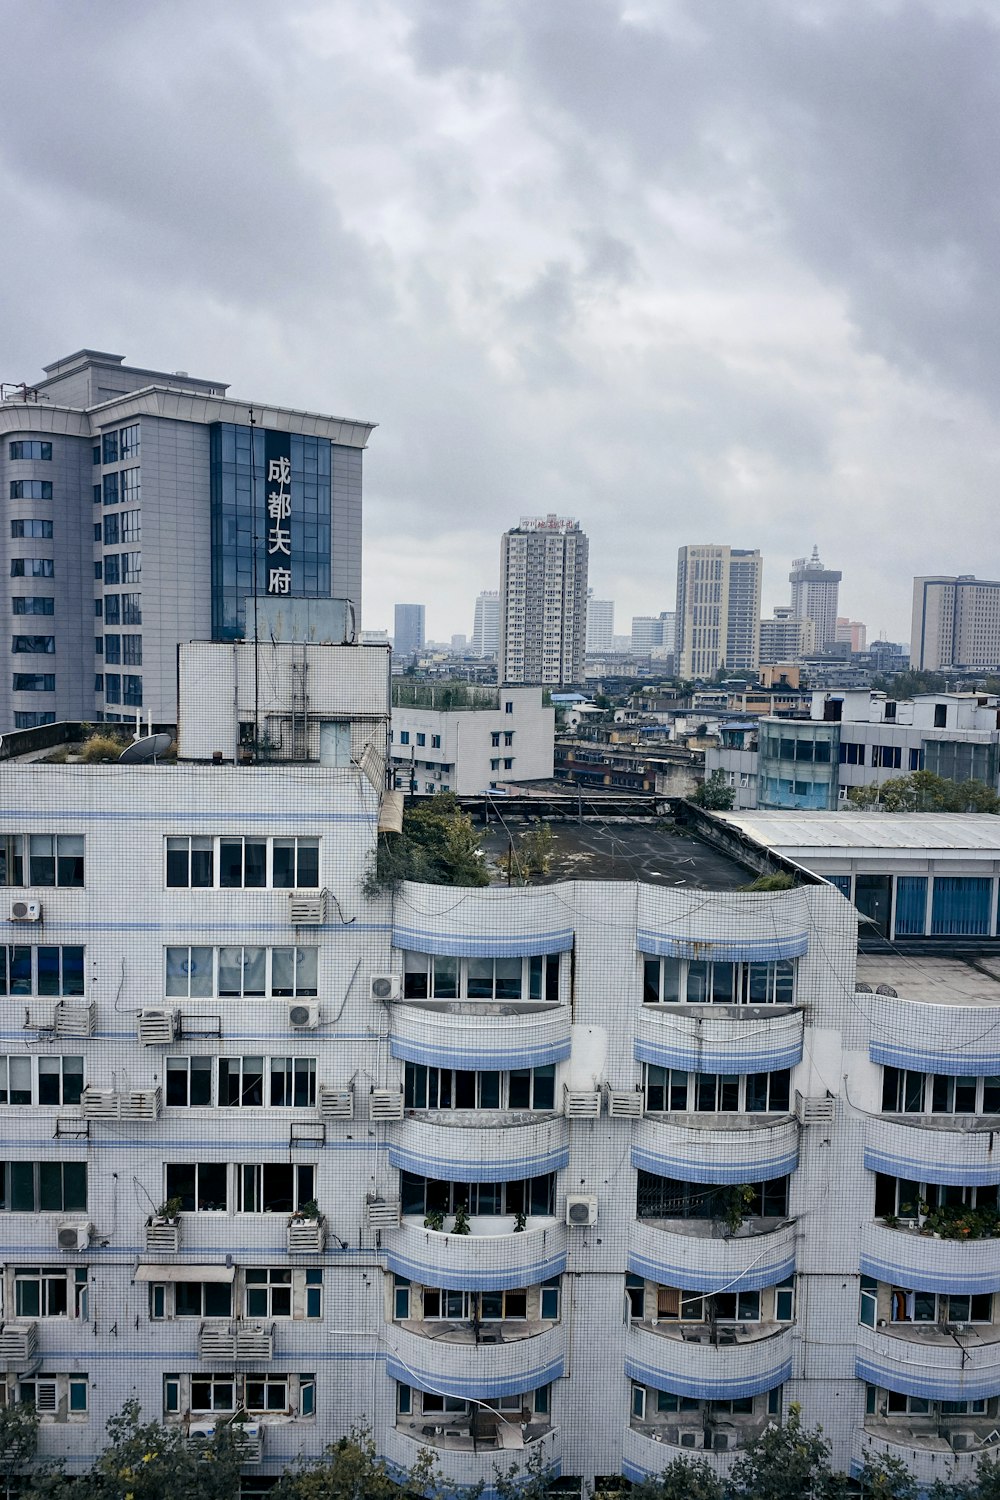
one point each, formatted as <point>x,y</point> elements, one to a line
<point>256,630</point>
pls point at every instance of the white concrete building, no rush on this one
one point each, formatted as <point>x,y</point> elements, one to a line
<point>956,623</point>
<point>600,623</point>
<point>506,737</point>
<point>486,624</point>
<point>718,609</point>
<point>785,638</point>
<point>543,602</point>
<point>815,592</point>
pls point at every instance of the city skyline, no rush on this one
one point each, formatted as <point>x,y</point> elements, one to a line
<point>712,316</point>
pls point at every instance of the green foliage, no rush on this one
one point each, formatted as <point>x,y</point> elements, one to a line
<point>461,1224</point>
<point>779,880</point>
<point>406,693</point>
<point>153,1461</point>
<point>531,855</point>
<point>786,1462</point>
<point>438,845</point>
<point>922,791</point>
<point>101,748</point>
<point>715,794</point>
<point>352,1470</point>
<point>18,1438</point>
<point>956,1222</point>
<point>908,684</point>
<point>887,1478</point>
<point>527,1481</point>
<point>684,1479</point>
<point>737,1201</point>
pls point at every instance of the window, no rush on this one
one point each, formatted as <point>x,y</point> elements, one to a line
<point>33,645</point>
<point>53,859</point>
<point>131,488</point>
<point>254,1394</point>
<point>508,737</point>
<point>495,765</point>
<point>30,448</point>
<point>940,716</point>
<point>132,691</point>
<point>717,1093</point>
<point>109,445</point>
<point>851,754</point>
<point>906,1306</point>
<point>128,441</point>
<point>131,609</point>
<point>112,573</point>
<point>188,1081</point>
<point>445,1088</point>
<point>190,1299</point>
<point>665,1198</point>
<point>34,682</point>
<point>110,489</point>
<point>33,605</point>
<point>112,649</point>
<point>132,650</point>
<point>31,721</point>
<point>422,739</point>
<point>230,863</point>
<point>50,1291</point>
<point>254,1081</point>
<point>202,1187</point>
<point>668,981</point>
<point>435,742</point>
<point>275,1187</point>
<point>131,567</point>
<point>404,736</point>
<point>131,525</point>
<point>41,529</point>
<point>530,1195</point>
<point>112,536</point>
<point>904,1198</point>
<point>112,687</point>
<point>508,707</point>
<point>908,1092</point>
<point>43,1186</point>
<point>97,488</point>
<point>31,567</point>
<point>441,977</point>
<point>495,739</point>
<point>241,971</point>
<point>281,1292</point>
<point>31,489</point>
<point>508,764</point>
<point>55,1398</point>
<point>112,609</point>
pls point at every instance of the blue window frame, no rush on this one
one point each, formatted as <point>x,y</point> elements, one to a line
<point>960,906</point>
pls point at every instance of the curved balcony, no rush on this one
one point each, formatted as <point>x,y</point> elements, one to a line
<point>926,1455</point>
<point>490,1259</point>
<point>695,1254</point>
<point>458,1150</point>
<point>919,1360</point>
<point>646,1452</point>
<point>469,1041</point>
<point>758,1149</point>
<point>673,1037</point>
<point>934,1148</point>
<point>707,1371</point>
<point>904,1257</point>
<point>735,926</point>
<point>959,1034</point>
<point>469,1369</point>
<point>490,923</point>
<point>454,1455</point>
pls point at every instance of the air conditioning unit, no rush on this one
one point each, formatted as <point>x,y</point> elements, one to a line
<point>691,1437</point>
<point>385,987</point>
<point>961,1439</point>
<point>25,911</point>
<point>307,908</point>
<point>581,1210</point>
<point>385,1104</point>
<point>155,1028</point>
<point>203,1430</point>
<point>304,1015</point>
<point>724,1439</point>
<point>73,1237</point>
<point>581,1104</point>
<point>625,1104</point>
<point>336,1104</point>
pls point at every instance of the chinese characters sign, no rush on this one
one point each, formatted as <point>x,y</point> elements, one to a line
<point>278,460</point>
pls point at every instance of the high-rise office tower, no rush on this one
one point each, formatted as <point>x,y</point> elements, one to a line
<point>486,625</point>
<point>144,508</point>
<point>408,632</point>
<point>600,623</point>
<point>956,623</point>
<point>543,601</point>
<point>814,597</point>
<point>654,632</point>
<point>718,609</point>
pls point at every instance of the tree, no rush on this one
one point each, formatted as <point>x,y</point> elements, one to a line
<point>153,1461</point>
<point>787,1463</point>
<point>715,793</point>
<point>884,1477</point>
<point>352,1470</point>
<point>909,683</point>
<point>922,791</point>
<point>438,844</point>
<point>684,1479</point>
<point>530,1481</point>
<point>530,854</point>
<point>18,1439</point>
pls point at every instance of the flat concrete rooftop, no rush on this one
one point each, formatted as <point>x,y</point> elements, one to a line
<point>932,980</point>
<point>652,850</point>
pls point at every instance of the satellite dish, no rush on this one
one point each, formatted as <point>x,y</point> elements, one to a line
<point>146,749</point>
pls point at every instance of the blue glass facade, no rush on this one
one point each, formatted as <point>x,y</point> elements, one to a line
<point>233,522</point>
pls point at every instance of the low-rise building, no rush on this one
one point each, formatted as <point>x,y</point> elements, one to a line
<point>450,737</point>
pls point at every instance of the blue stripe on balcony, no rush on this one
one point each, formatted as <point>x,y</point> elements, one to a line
<point>949,1173</point>
<point>955,1279</point>
<point>923,1380</point>
<point>483,1388</point>
<point>683,1169</point>
<point>722,1388</point>
<point>681,1052</point>
<point>691,1279</point>
<point>930,1060</point>
<point>483,944</point>
<point>438,1273</point>
<point>635,1474</point>
<point>503,1054</point>
<point>511,1169</point>
<point>767,950</point>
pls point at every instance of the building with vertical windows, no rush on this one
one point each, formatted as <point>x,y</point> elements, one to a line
<point>718,610</point>
<point>956,623</point>
<point>784,638</point>
<point>543,602</point>
<point>496,737</point>
<point>408,630</point>
<point>486,624</point>
<point>600,623</point>
<point>815,591</point>
<point>143,509</point>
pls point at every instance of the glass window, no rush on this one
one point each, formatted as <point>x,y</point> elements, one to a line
<point>31,489</point>
<point>32,567</point>
<point>31,528</point>
<point>30,448</point>
<point>33,605</point>
<point>109,446</point>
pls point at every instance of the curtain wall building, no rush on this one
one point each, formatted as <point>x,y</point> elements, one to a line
<point>143,509</point>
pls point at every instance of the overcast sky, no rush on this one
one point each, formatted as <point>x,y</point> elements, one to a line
<point>688,270</point>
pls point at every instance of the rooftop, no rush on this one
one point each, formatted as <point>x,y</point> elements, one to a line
<point>793,832</point>
<point>932,980</point>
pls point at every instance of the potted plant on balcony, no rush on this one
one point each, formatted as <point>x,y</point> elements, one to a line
<point>169,1211</point>
<point>736,1205</point>
<point>434,1219</point>
<point>461,1224</point>
<point>306,1227</point>
<point>163,1227</point>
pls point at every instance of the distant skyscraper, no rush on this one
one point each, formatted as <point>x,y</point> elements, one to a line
<point>718,610</point>
<point>854,631</point>
<point>784,638</point>
<point>653,632</point>
<point>956,623</point>
<point>600,623</point>
<point>486,627</point>
<point>814,597</point>
<point>543,601</point>
<point>409,630</point>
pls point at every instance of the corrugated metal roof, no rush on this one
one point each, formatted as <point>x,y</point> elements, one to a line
<point>869,830</point>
